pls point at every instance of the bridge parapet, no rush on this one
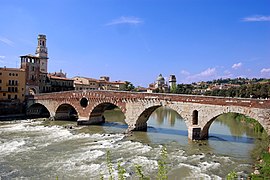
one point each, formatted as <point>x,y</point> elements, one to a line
<point>198,111</point>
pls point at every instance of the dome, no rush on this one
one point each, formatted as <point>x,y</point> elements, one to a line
<point>160,78</point>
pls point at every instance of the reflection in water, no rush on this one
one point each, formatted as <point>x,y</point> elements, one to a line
<point>162,114</point>
<point>167,121</point>
<point>226,134</point>
<point>50,149</point>
<point>166,131</point>
<point>222,137</point>
<point>236,128</point>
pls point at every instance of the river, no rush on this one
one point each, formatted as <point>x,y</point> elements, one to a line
<point>43,149</point>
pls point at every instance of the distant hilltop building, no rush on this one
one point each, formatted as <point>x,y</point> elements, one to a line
<point>160,85</point>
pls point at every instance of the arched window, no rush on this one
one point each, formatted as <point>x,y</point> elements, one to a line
<point>195,117</point>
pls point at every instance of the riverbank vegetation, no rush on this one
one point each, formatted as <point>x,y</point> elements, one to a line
<point>261,154</point>
<point>120,171</point>
<point>238,87</point>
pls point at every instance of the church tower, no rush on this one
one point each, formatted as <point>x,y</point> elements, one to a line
<point>172,81</point>
<point>42,53</point>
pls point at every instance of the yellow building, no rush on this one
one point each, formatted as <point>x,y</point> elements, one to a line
<point>12,84</point>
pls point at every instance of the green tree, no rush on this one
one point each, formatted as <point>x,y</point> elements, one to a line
<point>128,86</point>
<point>173,89</point>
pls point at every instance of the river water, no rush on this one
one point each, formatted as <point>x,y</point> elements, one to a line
<point>43,149</point>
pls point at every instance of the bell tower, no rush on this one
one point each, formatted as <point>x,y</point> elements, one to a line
<point>42,53</point>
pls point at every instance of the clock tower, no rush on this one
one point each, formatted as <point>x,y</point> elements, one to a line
<point>42,53</point>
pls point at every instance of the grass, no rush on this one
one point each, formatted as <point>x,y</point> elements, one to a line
<point>162,168</point>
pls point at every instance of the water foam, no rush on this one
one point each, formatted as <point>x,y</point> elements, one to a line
<point>9,147</point>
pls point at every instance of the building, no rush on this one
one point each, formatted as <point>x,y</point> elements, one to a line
<point>160,85</point>
<point>12,84</point>
<point>37,78</point>
<point>104,83</point>
<point>42,53</point>
<point>58,81</point>
<point>172,81</point>
<point>31,66</point>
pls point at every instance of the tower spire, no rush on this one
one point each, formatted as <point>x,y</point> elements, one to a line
<point>42,53</point>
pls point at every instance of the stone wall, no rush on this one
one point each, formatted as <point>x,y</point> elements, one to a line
<point>198,111</point>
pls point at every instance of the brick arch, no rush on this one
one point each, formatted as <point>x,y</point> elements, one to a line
<point>65,111</point>
<point>260,117</point>
<point>38,110</point>
<point>71,103</point>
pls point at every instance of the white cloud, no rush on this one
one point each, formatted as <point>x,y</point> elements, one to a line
<point>236,66</point>
<point>2,57</point>
<point>207,74</point>
<point>265,70</point>
<point>256,18</point>
<point>6,41</point>
<point>125,20</point>
<point>184,72</point>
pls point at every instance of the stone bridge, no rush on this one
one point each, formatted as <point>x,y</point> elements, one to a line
<point>87,107</point>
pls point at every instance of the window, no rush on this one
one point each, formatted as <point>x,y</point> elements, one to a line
<point>9,96</point>
<point>16,74</point>
<point>15,97</point>
<point>9,89</point>
<point>0,88</point>
<point>0,73</point>
<point>9,74</point>
<point>195,117</point>
<point>4,94</point>
<point>0,80</point>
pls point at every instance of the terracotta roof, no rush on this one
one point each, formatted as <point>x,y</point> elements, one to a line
<point>99,80</point>
<point>60,78</point>
<point>90,79</point>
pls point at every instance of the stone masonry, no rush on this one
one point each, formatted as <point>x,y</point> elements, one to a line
<point>198,111</point>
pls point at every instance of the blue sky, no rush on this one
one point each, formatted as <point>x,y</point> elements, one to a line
<point>136,40</point>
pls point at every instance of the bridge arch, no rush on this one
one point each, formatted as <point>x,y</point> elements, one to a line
<point>144,114</point>
<point>249,113</point>
<point>141,123</point>
<point>37,110</point>
<point>96,115</point>
<point>66,111</point>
